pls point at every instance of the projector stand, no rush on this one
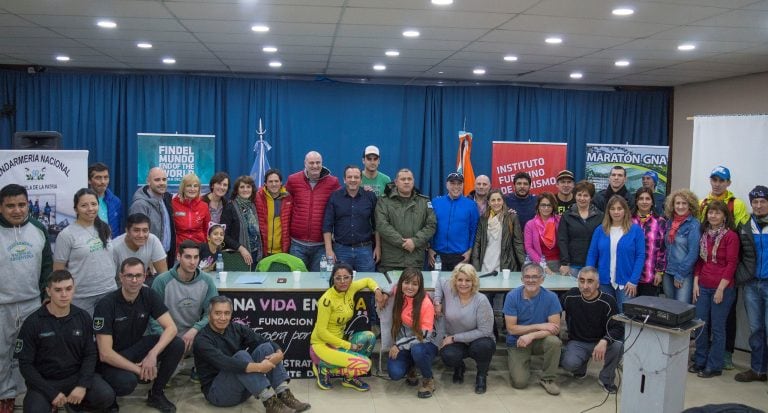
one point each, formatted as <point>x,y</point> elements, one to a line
<point>655,367</point>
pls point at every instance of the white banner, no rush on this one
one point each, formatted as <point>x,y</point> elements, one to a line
<point>51,178</point>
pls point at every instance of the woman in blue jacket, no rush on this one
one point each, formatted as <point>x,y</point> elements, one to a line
<point>617,250</point>
<point>682,243</point>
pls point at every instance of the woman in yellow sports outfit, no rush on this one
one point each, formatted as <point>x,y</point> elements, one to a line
<point>333,351</point>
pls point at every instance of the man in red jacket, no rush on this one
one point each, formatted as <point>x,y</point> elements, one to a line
<point>310,189</point>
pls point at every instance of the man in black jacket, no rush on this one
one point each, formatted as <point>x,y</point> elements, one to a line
<point>616,186</point>
<point>235,363</point>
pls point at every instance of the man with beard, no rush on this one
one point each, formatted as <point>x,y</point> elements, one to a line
<point>154,201</point>
<point>522,201</point>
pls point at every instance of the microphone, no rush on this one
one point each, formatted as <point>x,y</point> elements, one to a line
<point>389,280</point>
<point>490,274</point>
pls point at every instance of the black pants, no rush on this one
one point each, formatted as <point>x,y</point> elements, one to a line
<point>450,261</point>
<point>647,289</point>
<point>98,396</point>
<point>480,350</point>
<point>124,381</point>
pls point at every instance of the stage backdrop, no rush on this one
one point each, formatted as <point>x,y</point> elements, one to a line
<point>636,159</point>
<point>541,160</point>
<point>178,155</point>
<point>51,178</point>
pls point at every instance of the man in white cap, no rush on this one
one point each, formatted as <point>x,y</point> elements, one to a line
<point>373,180</point>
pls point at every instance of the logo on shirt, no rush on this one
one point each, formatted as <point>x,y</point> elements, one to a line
<point>77,333</point>
<point>98,323</point>
<point>94,244</point>
<point>20,251</point>
<point>19,345</point>
<point>47,334</point>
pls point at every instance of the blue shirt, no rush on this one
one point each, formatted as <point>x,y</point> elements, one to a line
<point>456,224</point>
<point>535,310</point>
<point>350,219</point>
<point>525,207</point>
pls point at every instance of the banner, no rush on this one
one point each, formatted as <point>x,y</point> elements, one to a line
<point>51,178</point>
<point>464,161</point>
<point>177,154</point>
<point>542,160</point>
<point>636,159</point>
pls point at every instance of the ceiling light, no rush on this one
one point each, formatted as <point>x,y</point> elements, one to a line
<point>106,24</point>
<point>623,11</point>
<point>269,49</point>
<point>440,73</point>
<point>275,63</point>
<point>411,33</point>
<point>260,28</point>
<point>379,67</point>
<point>553,40</point>
<point>392,53</point>
<point>576,75</point>
<point>510,58</point>
<point>686,47</point>
<point>144,45</point>
<point>479,71</point>
<point>62,58</point>
<point>442,2</point>
<point>169,60</point>
<point>622,63</point>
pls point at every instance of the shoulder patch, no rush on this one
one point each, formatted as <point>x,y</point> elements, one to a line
<point>98,323</point>
<point>19,345</point>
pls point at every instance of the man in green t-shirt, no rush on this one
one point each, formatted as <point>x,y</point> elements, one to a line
<point>373,180</point>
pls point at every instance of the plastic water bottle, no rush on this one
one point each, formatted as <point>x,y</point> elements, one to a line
<point>219,263</point>
<point>323,266</point>
<point>438,263</point>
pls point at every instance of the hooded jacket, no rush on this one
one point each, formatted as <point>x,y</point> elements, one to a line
<point>574,234</point>
<point>152,207</point>
<point>187,301</point>
<point>267,224</point>
<point>398,218</point>
<point>309,204</point>
<point>27,260</point>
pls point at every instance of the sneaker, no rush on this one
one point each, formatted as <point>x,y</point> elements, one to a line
<point>160,402</point>
<point>695,369</point>
<point>355,383</point>
<point>550,386</point>
<point>274,405</point>
<point>426,389</point>
<point>708,374</point>
<point>322,376</point>
<point>288,399</point>
<point>609,388</point>
<point>728,361</point>
<point>412,379</point>
<point>193,376</point>
<point>750,375</point>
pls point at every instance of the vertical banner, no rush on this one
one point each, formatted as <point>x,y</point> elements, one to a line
<point>177,154</point>
<point>542,160</point>
<point>636,159</point>
<point>51,178</point>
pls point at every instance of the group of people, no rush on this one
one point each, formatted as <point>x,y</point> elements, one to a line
<point>617,244</point>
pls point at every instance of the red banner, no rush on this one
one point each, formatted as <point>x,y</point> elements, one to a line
<point>541,160</point>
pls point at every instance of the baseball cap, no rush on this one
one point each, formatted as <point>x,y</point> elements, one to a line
<point>371,150</point>
<point>721,172</point>
<point>564,174</point>
<point>454,176</point>
<point>653,176</point>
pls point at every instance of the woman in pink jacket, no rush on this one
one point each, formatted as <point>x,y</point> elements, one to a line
<point>541,234</point>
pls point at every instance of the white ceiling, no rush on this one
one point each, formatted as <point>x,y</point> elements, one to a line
<point>345,38</point>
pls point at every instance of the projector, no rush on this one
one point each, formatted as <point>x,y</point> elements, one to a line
<point>661,311</point>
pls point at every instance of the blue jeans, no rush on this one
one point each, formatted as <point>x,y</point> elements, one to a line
<point>616,293</point>
<point>420,355</point>
<point>683,294</point>
<point>709,355</point>
<point>756,304</point>
<point>360,258</point>
<point>309,254</point>
<point>230,389</point>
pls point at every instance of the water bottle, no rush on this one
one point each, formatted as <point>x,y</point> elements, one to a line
<point>323,266</point>
<point>438,263</point>
<point>219,263</point>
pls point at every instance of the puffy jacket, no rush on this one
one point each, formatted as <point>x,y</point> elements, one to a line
<point>153,208</point>
<point>309,204</point>
<point>512,253</point>
<point>114,213</point>
<point>737,207</point>
<point>630,255</point>
<point>191,218</point>
<point>398,218</point>
<point>262,210</point>
<point>574,234</point>
<point>683,253</point>
<point>754,253</point>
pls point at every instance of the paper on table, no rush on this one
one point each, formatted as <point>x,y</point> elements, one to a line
<point>251,279</point>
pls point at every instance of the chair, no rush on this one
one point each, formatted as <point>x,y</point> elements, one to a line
<point>233,261</point>
<point>281,262</point>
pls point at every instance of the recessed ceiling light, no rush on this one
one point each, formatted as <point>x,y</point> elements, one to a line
<point>169,60</point>
<point>553,40</point>
<point>411,33</point>
<point>510,58</point>
<point>260,28</point>
<point>621,63</point>
<point>479,71</point>
<point>442,2</point>
<point>379,67</point>
<point>62,58</point>
<point>144,45</point>
<point>106,24</point>
<point>275,63</point>
<point>686,47</point>
<point>440,73</point>
<point>623,11</point>
<point>576,75</point>
<point>269,49</point>
<point>392,53</point>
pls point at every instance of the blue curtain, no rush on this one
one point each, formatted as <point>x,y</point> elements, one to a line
<point>414,126</point>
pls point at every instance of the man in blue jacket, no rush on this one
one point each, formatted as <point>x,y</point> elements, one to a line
<point>457,218</point>
<point>110,207</point>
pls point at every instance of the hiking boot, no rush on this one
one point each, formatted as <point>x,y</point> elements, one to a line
<point>728,361</point>
<point>412,379</point>
<point>274,405</point>
<point>458,374</point>
<point>550,386</point>
<point>288,399</point>
<point>323,377</point>
<point>749,376</point>
<point>609,388</point>
<point>481,383</point>
<point>160,402</point>
<point>426,389</point>
<point>355,383</point>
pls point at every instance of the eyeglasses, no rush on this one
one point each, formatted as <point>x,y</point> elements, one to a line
<point>545,205</point>
<point>342,279</point>
<point>133,277</point>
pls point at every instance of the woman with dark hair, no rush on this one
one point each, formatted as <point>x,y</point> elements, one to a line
<point>85,249</point>
<point>412,332</point>
<point>540,235</point>
<point>210,250</point>
<point>644,215</point>
<point>617,251</point>
<point>273,206</point>
<point>334,350</point>
<point>498,238</point>
<point>242,221</point>
<point>713,287</point>
<point>681,237</point>
<point>576,227</point>
<point>216,198</point>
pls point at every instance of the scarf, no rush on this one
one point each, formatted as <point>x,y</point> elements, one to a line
<point>249,224</point>
<point>547,230</point>
<point>716,235</point>
<point>494,226</point>
<point>676,222</point>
